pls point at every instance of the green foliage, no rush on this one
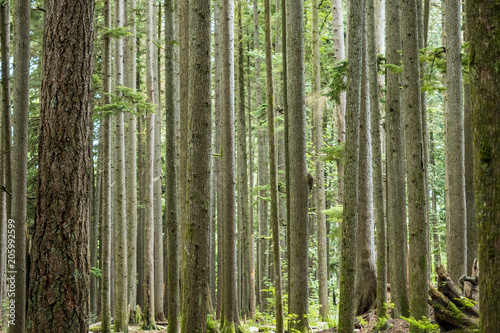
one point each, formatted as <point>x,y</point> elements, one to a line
<point>95,272</point>
<point>334,213</point>
<point>334,153</point>
<point>117,32</point>
<point>212,325</point>
<point>127,100</point>
<point>394,68</point>
<point>382,324</point>
<point>423,324</point>
<point>338,82</point>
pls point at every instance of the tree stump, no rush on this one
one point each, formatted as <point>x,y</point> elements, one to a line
<point>455,308</point>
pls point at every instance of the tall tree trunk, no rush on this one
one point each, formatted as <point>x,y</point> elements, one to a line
<point>20,155</point>
<point>243,208</point>
<point>105,282</point>
<point>373,42</point>
<point>273,172</point>
<point>319,166</point>
<point>470,207</point>
<point>434,215</point>
<point>63,173</point>
<point>485,48</point>
<point>230,320</point>
<point>120,225</point>
<point>366,275</point>
<point>172,225</point>
<point>197,233</point>
<point>339,52</point>
<point>456,239</point>
<point>396,202</point>
<point>149,296</point>
<point>418,235</point>
<point>6,101</point>
<point>350,212</point>
<point>299,224</point>
<point>131,161</point>
<point>94,228</point>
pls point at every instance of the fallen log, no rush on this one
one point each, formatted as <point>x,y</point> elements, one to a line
<point>453,310</point>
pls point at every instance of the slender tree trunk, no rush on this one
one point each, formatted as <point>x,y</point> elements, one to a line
<point>319,166</point>
<point>418,235</point>
<point>120,225</point>
<point>131,161</point>
<point>396,202</point>
<point>106,182</point>
<point>20,155</point>
<point>149,296</point>
<point>63,173</point>
<point>6,101</point>
<point>172,225</point>
<point>484,50</point>
<point>141,166</point>
<point>456,239</point>
<point>378,195</point>
<point>434,215</point>
<point>350,213</point>
<point>299,225</point>
<point>197,233</point>
<point>339,52</point>
<point>273,172</point>
<point>95,222</point>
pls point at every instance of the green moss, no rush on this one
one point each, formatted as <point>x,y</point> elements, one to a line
<point>228,327</point>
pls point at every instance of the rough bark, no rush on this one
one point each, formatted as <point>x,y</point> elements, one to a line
<point>350,212</point>
<point>378,196</point>
<point>172,225</point>
<point>120,223</point>
<point>456,239</point>
<point>396,194</point>
<point>20,155</point>
<point>60,248</point>
<point>6,101</point>
<point>131,162</point>
<point>197,230</point>
<point>436,250</point>
<point>484,50</point>
<point>418,235</point>
<point>319,166</point>
<point>273,173</point>
<point>366,275</point>
<point>299,225</point>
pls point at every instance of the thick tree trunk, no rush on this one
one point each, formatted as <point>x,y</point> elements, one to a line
<point>350,212</point>
<point>456,239</point>
<point>20,155</point>
<point>366,275</point>
<point>373,41</point>
<point>298,221</point>
<point>484,50</point>
<point>418,239</point>
<point>63,173</point>
<point>197,230</point>
<point>396,193</point>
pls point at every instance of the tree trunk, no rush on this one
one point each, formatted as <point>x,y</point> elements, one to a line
<point>172,225</point>
<point>418,246</point>
<point>396,193</point>
<point>197,230</point>
<point>273,173</point>
<point>366,276</point>
<point>350,212</point>
<point>484,50</point>
<point>131,163</point>
<point>20,156</point>
<point>320,167</point>
<point>373,41</point>
<point>6,101</point>
<point>63,175</point>
<point>298,221</point>
<point>456,239</point>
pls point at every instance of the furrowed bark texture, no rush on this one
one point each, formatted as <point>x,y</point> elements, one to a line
<point>59,284</point>
<point>299,224</point>
<point>350,213</point>
<point>396,193</point>
<point>197,230</point>
<point>485,48</point>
